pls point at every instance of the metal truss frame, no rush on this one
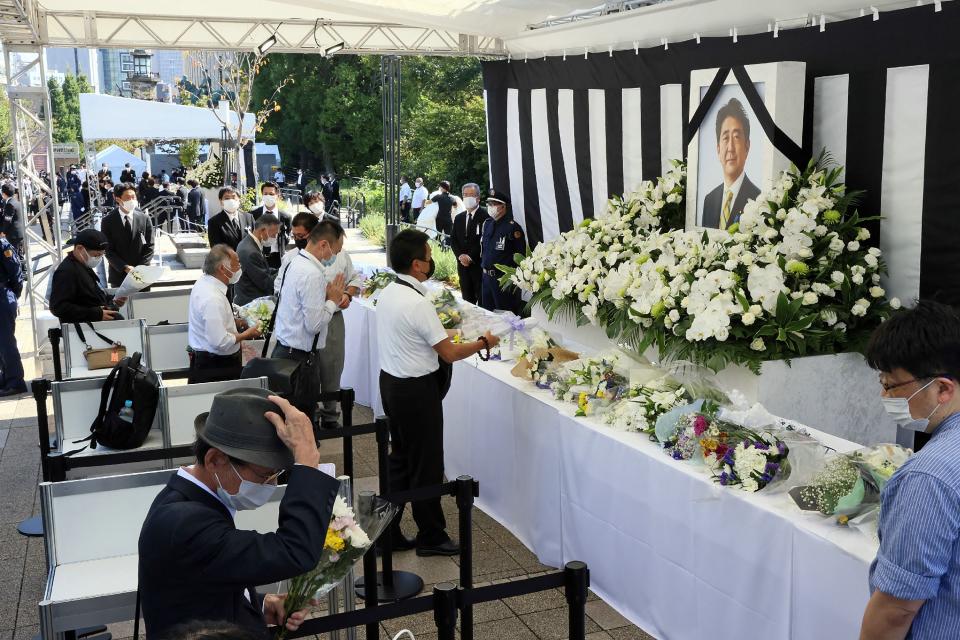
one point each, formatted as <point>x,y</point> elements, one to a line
<point>104,30</point>
<point>31,129</point>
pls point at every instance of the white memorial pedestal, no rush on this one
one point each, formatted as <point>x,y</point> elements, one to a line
<point>838,394</point>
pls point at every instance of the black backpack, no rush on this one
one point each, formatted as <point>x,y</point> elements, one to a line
<point>129,380</point>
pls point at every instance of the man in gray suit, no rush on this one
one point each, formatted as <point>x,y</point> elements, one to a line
<point>722,206</point>
<point>256,281</point>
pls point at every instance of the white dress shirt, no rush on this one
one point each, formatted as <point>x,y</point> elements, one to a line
<point>405,193</point>
<point>735,190</point>
<point>304,311</point>
<point>420,196</point>
<point>407,330</point>
<point>186,475</point>
<point>211,325</point>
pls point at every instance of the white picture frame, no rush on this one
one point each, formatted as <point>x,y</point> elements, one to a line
<point>781,86</point>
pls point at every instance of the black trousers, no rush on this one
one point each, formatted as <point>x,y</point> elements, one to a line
<point>210,367</point>
<point>405,212</point>
<point>471,282</point>
<point>415,410</point>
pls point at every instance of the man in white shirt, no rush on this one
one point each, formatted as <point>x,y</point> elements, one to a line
<point>406,197</point>
<point>307,304</point>
<point>420,196</point>
<point>413,382</point>
<point>214,335</point>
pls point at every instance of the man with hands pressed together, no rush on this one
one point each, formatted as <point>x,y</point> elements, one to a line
<point>915,579</point>
<point>194,563</point>
<point>413,382</point>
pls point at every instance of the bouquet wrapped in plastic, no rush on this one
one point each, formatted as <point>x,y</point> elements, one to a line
<point>515,333</point>
<point>539,359</point>
<point>377,281</point>
<point>644,403</point>
<point>447,308</point>
<point>257,312</point>
<point>139,278</point>
<point>849,484</point>
<point>351,533</point>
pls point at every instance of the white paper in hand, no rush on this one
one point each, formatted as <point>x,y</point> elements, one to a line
<point>139,278</point>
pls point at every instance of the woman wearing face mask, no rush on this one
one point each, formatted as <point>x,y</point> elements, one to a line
<point>230,225</point>
<point>76,295</point>
<point>915,579</point>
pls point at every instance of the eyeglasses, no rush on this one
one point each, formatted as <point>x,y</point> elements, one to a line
<point>891,387</point>
<point>266,479</point>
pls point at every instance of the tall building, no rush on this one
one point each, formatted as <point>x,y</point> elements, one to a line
<point>168,65</point>
<point>60,61</point>
<point>115,66</point>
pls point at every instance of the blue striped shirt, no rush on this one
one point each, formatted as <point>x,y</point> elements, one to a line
<point>919,555</point>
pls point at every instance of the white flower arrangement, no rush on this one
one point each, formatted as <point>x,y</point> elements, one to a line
<point>790,279</point>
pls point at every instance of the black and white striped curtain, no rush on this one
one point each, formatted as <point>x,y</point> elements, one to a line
<point>883,97</point>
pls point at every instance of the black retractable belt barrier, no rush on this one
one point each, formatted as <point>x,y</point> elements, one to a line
<point>446,599</point>
<point>55,335</point>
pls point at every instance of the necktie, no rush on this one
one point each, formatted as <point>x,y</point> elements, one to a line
<point>725,217</point>
<point>126,225</point>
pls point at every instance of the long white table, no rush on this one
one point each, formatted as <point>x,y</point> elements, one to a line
<point>668,548</point>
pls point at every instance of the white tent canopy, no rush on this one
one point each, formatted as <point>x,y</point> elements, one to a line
<point>115,157</point>
<point>104,117</point>
<point>412,26</point>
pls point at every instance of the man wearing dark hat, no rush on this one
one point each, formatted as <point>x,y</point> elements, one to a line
<point>194,563</point>
<point>500,239</point>
<point>76,295</point>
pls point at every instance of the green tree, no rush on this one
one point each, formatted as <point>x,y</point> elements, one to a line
<point>73,86</point>
<point>6,140</point>
<point>189,153</point>
<point>446,141</point>
<point>62,126</point>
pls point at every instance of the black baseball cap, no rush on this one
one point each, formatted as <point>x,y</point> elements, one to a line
<point>90,239</point>
<point>236,425</point>
<point>498,196</point>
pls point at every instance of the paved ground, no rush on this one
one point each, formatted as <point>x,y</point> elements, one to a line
<point>498,555</point>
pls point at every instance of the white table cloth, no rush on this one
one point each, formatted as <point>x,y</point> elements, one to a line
<point>677,554</point>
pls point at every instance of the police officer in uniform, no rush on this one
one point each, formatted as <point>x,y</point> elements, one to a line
<point>11,285</point>
<point>502,237</point>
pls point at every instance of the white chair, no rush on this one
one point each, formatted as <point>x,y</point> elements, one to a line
<point>93,527</point>
<point>76,404</point>
<point>184,403</point>
<point>163,305</point>
<point>167,347</point>
<point>130,333</point>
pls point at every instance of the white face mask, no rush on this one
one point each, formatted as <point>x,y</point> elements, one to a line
<point>129,205</point>
<point>270,201</point>
<point>316,208</point>
<point>496,211</point>
<point>231,205</point>
<point>899,410</point>
<point>470,203</point>
<point>250,495</point>
<point>93,261</point>
<point>271,243</point>
<point>235,277</point>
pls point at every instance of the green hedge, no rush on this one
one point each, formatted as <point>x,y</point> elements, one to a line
<point>373,226</point>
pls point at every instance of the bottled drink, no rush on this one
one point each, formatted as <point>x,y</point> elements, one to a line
<point>126,413</point>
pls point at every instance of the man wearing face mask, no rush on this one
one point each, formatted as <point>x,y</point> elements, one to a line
<point>270,195</point>
<point>500,240</point>
<point>420,195</point>
<point>194,564</point>
<point>915,578</point>
<point>303,223</point>
<point>465,242</point>
<point>307,304</point>
<point>213,334</point>
<point>258,276</point>
<point>413,382</point>
<point>130,234</point>
<point>76,294</point>
<point>230,225</point>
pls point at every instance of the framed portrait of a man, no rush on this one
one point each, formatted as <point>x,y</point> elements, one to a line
<point>730,159</point>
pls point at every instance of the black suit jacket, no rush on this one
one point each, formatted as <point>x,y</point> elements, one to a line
<point>195,205</point>
<point>713,204</point>
<point>465,238</point>
<point>76,295</point>
<point>195,564</point>
<point>221,231</point>
<point>12,221</point>
<point>286,226</point>
<point>128,175</point>
<point>132,249</point>
<point>257,278</point>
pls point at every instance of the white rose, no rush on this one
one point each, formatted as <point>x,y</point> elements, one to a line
<point>748,318</point>
<point>820,231</point>
<point>864,234</point>
<point>829,316</point>
<point>758,345</point>
<point>756,310</point>
<point>871,260</point>
<point>853,245</point>
<point>877,292</point>
<point>874,251</point>
<point>857,279</point>
<point>838,277</point>
<point>894,303</point>
<point>810,298</point>
<point>858,310</point>
<point>674,315</point>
